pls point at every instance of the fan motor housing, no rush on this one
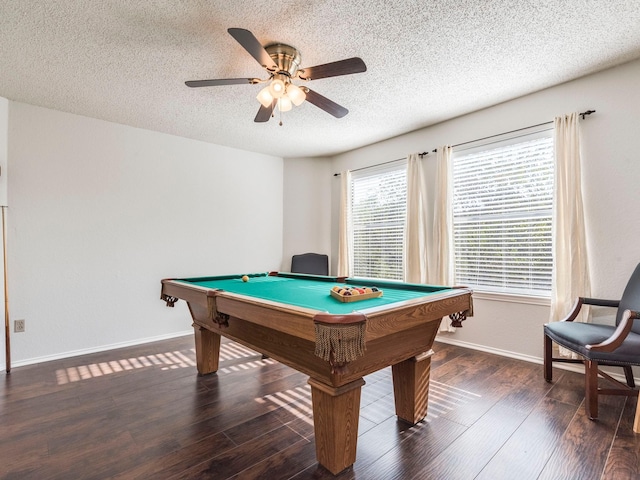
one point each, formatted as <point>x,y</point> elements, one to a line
<point>285,57</point>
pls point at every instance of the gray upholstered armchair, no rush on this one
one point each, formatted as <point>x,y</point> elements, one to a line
<point>617,345</point>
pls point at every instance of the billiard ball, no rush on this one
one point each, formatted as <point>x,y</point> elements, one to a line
<point>245,278</point>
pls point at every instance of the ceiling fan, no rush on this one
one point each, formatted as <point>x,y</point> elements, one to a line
<point>282,63</point>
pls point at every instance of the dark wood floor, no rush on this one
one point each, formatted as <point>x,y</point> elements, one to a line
<point>142,412</point>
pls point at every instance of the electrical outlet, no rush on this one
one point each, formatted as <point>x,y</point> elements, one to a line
<point>18,326</point>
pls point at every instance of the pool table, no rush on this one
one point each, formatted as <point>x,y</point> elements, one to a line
<point>293,318</point>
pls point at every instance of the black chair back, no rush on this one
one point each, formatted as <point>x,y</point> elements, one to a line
<point>631,299</point>
<point>310,263</point>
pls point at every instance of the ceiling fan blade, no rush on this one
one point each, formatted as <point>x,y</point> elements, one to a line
<point>219,81</point>
<point>264,114</point>
<point>325,104</point>
<point>333,69</point>
<point>251,44</point>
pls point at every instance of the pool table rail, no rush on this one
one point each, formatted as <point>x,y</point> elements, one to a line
<point>293,319</point>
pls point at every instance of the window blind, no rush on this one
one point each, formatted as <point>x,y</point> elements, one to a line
<point>502,209</point>
<point>378,210</point>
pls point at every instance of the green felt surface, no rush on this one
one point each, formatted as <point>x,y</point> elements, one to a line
<point>312,292</point>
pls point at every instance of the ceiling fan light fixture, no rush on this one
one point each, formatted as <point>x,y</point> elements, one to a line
<point>265,97</point>
<point>296,94</point>
<point>284,104</point>
<point>282,65</point>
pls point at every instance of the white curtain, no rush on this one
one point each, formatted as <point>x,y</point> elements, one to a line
<point>344,240</point>
<point>441,265</point>
<point>416,229</point>
<point>441,251</point>
<point>428,249</point>
<point>571,270</point>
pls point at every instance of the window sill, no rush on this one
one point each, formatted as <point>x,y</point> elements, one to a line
<point>511,298</point>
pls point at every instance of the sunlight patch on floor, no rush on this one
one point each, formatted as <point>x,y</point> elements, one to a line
<point>164,361</point>
<point>443,398</point>
<point>296,401</point>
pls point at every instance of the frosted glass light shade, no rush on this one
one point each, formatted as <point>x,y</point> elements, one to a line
<point>296,94</point>
<point>265,98</point>
<point>284,104</point>
<point>276,88</point>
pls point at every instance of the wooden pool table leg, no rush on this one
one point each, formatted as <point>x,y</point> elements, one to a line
<point>335,418</point>
<point>411,387</point>
<point>207,350</point>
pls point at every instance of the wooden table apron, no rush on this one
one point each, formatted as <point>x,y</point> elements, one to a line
<point>400,335</point>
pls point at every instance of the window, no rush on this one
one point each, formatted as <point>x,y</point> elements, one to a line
<point>377,216</point>
<point>502,207</point>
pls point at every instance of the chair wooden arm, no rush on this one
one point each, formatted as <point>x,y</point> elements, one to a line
<point>615,340</point>
<point>601,303</point>
<point>575,310</point>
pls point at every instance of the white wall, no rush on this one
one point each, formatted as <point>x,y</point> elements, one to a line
<point>4,132</point>
<point>307,207</point>
<point>611,172</point>
<point>101,212</point>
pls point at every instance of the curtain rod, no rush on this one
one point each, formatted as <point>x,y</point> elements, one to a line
<point>583,114</point>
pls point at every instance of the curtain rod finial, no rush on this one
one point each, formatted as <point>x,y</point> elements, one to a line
<point>588,112</point>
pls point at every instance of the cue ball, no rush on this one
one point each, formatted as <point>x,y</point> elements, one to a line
<point>245,278</point>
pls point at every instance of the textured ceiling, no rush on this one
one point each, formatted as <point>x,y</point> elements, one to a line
<point>126,61</point>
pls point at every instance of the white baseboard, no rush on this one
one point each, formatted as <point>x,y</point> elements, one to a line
<point>101,348</point>
<point>484,348</point>
<point>572,367</point>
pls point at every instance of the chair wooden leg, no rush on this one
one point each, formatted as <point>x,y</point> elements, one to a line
<point>548,359</point>
<point>628,373</point>
<point>591,389</point>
